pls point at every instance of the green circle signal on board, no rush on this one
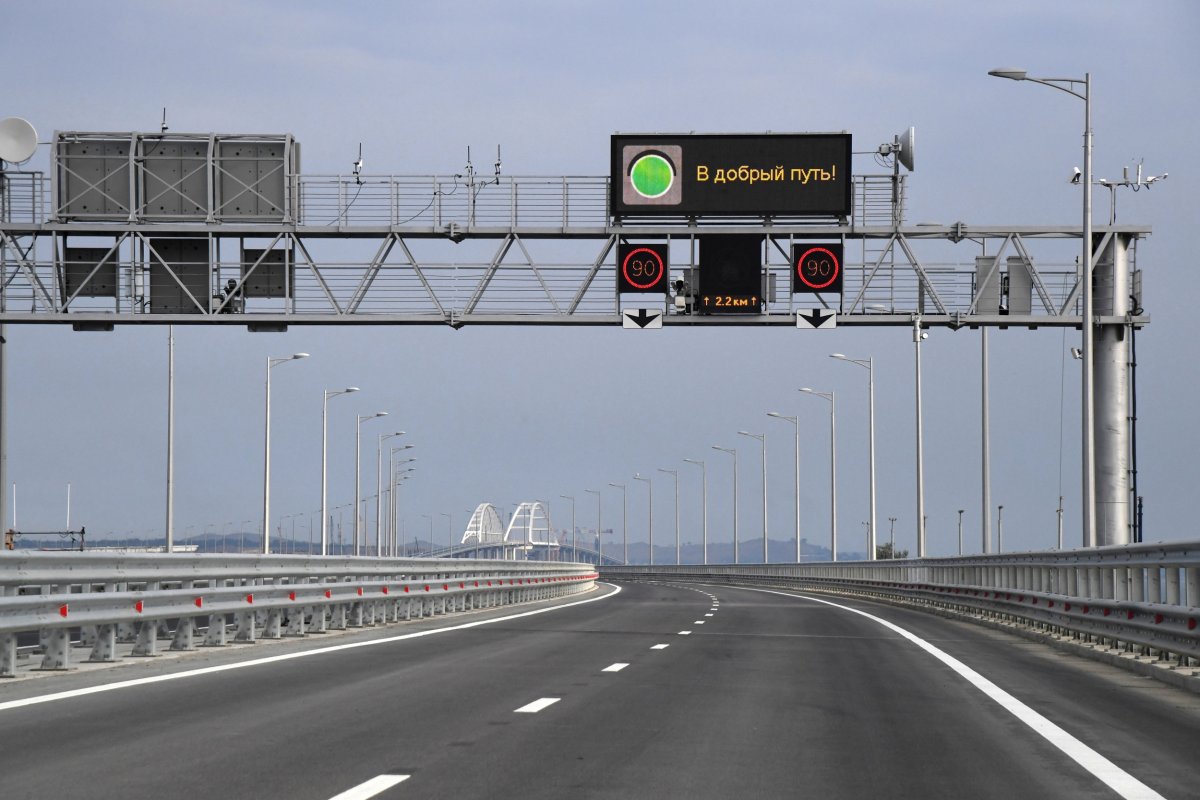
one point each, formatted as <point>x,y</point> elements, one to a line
<point>652,175</point>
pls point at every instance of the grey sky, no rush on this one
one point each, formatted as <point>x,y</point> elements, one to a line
<point>525,413</point>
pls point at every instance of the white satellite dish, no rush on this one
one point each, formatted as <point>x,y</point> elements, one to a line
<point>18,140</point>
<point>905,142</point>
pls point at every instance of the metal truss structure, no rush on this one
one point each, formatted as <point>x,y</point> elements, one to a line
<point>514,250</point>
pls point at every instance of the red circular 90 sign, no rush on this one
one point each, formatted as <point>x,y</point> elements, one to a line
<point>818,268</point>
<point>643,268</point>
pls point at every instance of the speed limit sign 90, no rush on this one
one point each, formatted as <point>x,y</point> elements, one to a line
<point>817,268</point>
<point>642,268</point>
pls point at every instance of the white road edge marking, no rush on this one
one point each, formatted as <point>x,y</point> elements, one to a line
<point>192,673</point>
<point>372,787</point>
<point>660,647</point>
<point>1104,770</point>
<point>537,705</point>
<point>614,667</point>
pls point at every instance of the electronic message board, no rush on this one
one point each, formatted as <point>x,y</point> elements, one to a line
<point>730,175</point>
<point>817,267</point>
<point>642,268</point>
<point>731,274</point>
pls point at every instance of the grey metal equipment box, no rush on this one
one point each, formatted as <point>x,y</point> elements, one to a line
<point>174,177</point>
<point>187,271</point>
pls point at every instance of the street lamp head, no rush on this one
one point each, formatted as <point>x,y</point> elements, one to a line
<point>1008,72</point>
<point>349,389</point>
<point>837,355</point>
<point>806,390</point>
<point>381,413</point>
<point>299,355</point>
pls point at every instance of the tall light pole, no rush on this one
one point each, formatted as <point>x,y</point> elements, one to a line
<point>703,505</point>
<point>574,550</point>
<point>358,476</point>
<point>169,533</point>
<point>393,504</point>
<point>325,463</point>
<point>960,513</point>
<point>430,518</point>
<point>918,337</point>
<point>271,362</point>
<point>762,438</point>
<point>1000,528</point>
<point>624,522</point>
<point>795,424</point>
<point>379,491</point>
<point>831,397</point>
<point>733,452</point>
<point>892,534</point>
<point>868,364</point>
<point>1071,87</point>
<point>399,477</point>
<point>675,474</point>
<point>985,424</point>
<point>599,540</point>
<point>650,488</point>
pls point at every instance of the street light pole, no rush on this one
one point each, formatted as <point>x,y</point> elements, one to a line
<point>624,522</point>
<point>703,505</point>
<point>960,513</point>
<point>762,438</point>
<point>599,540</point>
<point>449,531</point>
<point>325,463</point>
<point>795,424</point>
<point>574,549</point>
<point>892,534</point>
<point>271,362</point>
<point>358,476</point>
<point>733,452</point>
<point>650,488</point>
<point>169,532</point>
<point>919,336</point>
<point>1085,266</point>
<point>832,398</point>
<point>379,491</point>
<point>675,473</point>
<point>868,364</point>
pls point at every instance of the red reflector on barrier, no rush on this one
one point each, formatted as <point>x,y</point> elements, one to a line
<point>1087,609</point>
<point>328,594</point>
<point>1192,624</point>
<point>462,585</point>
<point>445,587</point>
<point>1066,606</point>
<point>199,602</point>
<point>249,598</point>
<point>138,606</point>
<point>384,590</point>
<point>1129,614</point>
<point>1158,618</point>
<point>360,591</point>
<point>62,610</point>
<point>427,587</point>
<point>476,584</point>
<point>291,595</point>
<point>1050,604</point>
<point>1107,611</point>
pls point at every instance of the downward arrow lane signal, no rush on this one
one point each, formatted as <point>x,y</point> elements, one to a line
<point>641,318</point>
<point>822,318</point>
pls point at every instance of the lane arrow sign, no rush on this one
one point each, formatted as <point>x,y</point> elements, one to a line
<point>823,318</point>
<point>641,318</point>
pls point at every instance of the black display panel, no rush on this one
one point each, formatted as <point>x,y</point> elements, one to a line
<point>642,268</point>
<point>729,175</point>
<point>731,274</point>
<point>817,268</point>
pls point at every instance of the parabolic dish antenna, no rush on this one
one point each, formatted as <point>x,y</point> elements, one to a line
<point>18,140</point>
<point>907,141</point>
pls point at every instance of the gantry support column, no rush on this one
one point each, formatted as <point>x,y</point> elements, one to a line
<point>1110,363</point>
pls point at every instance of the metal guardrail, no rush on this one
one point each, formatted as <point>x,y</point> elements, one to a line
<point>133,597</point>
<point>1145,596</point>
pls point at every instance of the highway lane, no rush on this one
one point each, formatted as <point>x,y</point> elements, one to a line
<point>771,696</point>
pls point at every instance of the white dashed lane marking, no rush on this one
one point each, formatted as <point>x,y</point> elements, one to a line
<point>614,667</point>
<point>660,647</point>
<point>537,705</point>
<point>372,787</point>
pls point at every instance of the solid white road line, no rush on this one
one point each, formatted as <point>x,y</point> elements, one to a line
<point>537,705</point>
<point>660,647</point>
<point>372,787</point>
<point>614,667</point>
<point>1104,770</point>
<point>191,673</point>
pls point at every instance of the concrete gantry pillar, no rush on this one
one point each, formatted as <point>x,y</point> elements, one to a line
<point>1111,422</point>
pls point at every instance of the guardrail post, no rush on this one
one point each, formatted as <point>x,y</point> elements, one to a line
<point>147,639</point>
<point>295,622</point>
<point>1154,585</point>
<point>58,645</point>
<point>273,627</point>
<point>104,646</point>
<point>1193,587</point>
<point>185,633</point>
<point>216,636</point>
<point>8,655</point>
<point>1172,586</point>
<point>1121,583</point>
<point>320,620</point>
<point>337,617</point>
<point>245,623</point>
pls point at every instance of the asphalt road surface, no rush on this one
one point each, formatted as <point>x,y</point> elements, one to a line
<point>654,691</point>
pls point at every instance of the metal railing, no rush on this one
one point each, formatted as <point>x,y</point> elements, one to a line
<point>137,598</point>
<point>1145,596</point>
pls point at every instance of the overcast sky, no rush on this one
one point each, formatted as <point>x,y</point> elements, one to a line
<point>512,414</point>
